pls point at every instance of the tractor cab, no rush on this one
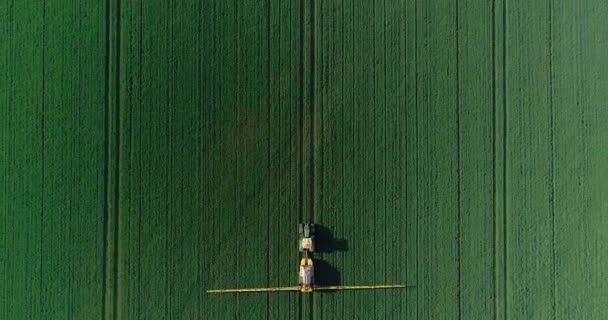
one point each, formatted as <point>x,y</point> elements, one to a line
<point>306,235</point>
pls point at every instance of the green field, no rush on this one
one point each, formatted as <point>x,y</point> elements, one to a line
<point>151,150</point>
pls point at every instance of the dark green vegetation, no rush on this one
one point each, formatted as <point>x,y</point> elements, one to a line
<point>150,151</point>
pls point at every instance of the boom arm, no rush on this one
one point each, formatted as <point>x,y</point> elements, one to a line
<point>382,286</point>
<point>277,289</point>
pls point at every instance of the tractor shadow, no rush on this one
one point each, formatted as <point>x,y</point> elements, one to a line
<point>325,242</point>
<point>326,274</point>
